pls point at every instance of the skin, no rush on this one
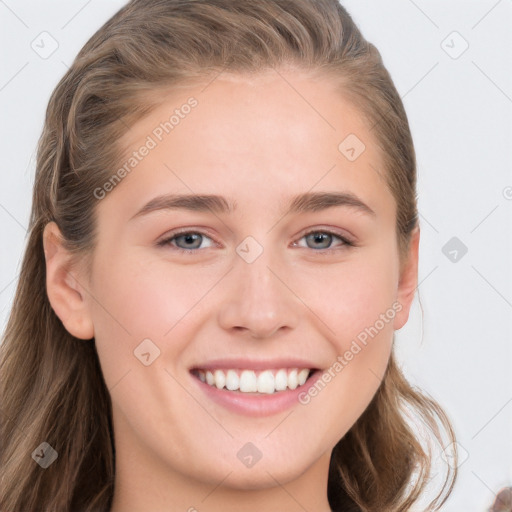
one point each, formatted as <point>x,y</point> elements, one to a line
<point>256,141</point>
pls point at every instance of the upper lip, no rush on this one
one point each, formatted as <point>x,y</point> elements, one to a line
<point>254,364</point>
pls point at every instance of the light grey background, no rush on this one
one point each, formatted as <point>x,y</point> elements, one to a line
<point>460,109</point>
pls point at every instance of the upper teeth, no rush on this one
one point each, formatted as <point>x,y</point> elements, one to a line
<point>247,381</point>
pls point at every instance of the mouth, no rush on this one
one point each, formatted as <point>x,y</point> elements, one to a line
<point>254,382</point>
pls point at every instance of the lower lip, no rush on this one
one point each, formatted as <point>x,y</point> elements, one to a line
<point>257,405</point>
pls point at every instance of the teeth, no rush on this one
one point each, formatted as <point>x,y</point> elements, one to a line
<point>292,379</point>
<point>232,380</point>
<point>246,381</point>
<point>266,382</point>
<point>220,378</point>
<point>302,376</point>
<point>281,380</point>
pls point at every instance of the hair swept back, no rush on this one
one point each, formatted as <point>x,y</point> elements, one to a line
<point>51,383</point>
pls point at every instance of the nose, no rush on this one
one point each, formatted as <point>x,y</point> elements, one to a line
<point>259,301</point>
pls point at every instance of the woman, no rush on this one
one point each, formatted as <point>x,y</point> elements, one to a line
<point>224,239</point>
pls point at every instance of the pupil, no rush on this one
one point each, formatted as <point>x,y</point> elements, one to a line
<point>190,238</point>
<point>321,237</point>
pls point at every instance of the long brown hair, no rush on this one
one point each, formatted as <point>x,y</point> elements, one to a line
<point>51,383</point>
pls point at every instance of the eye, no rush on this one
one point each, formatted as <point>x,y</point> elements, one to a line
<point>322,240</point>
<point>319,240</point>
<point>186,241</point>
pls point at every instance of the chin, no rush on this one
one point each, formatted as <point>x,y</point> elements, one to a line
<point>264,477</point>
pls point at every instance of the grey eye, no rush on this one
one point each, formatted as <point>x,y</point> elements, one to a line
<point>320,239</point>
<point>191,240</point>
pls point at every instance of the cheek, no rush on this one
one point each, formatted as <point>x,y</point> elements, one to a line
<point>137,299</point>
<point>356,307</point>
<point>151,297</point>
<point>352,297</point>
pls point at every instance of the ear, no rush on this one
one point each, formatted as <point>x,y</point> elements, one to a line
<point>408,281</point>
<point>67,297</point>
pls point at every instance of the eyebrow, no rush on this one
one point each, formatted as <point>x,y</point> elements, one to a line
<point>308,202</point>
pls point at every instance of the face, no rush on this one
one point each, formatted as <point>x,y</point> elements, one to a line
<point>250,280</point>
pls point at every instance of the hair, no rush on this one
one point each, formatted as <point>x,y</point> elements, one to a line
<point>52,384</point>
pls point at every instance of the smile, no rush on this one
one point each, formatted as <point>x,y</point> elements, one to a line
<point>254,387</point>
<point>250,381</point>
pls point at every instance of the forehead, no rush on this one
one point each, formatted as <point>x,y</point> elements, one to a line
<point>278,110</point>
<point>274,134</point>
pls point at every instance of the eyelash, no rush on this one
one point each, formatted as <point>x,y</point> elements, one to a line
<point>346,242</point>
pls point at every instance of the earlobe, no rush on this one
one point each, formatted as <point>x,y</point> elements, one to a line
<point>408,281</point>
<point>67,297</point>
